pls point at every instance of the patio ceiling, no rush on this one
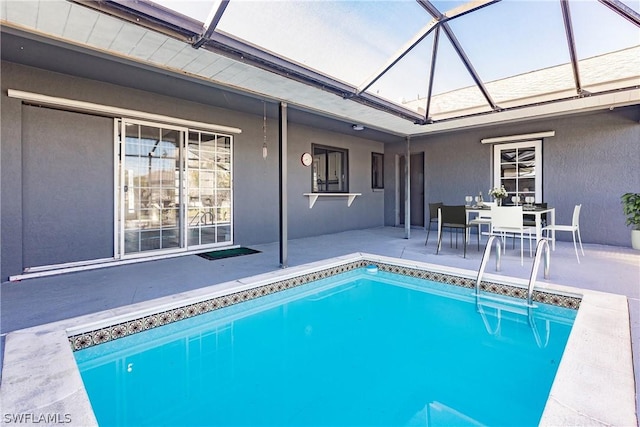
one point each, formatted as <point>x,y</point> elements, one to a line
<point>401,67</point>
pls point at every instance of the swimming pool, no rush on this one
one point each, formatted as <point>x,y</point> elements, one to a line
<point>353,348</point>
<point>594,379</point>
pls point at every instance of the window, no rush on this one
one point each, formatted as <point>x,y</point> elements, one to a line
<point>377,170</point>
<point>330,170</point>
<point>518,166</point>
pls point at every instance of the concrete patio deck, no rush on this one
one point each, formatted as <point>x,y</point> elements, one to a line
<point>38,301</point>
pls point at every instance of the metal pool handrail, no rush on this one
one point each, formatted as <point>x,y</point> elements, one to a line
<point>534,329</point>
<point>485,258</point>
<point>543,244</point>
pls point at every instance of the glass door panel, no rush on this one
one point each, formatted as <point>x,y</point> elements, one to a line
<point>151,188</point>
<point>224,195</point>
<point>209,189</point>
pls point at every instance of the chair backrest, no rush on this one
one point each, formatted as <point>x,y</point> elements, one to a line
<point>433,210</point>
<point>575,222</point>
<point>507,217</point>
<point>456,215</point>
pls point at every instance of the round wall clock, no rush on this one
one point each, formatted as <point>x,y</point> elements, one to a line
<point>306,159</point>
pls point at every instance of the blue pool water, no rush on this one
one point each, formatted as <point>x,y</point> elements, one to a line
<point>357,349</point>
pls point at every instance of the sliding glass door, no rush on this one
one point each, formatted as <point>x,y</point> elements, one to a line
<point>174,189</point>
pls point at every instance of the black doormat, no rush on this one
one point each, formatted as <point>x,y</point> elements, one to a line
<point>228,253</point>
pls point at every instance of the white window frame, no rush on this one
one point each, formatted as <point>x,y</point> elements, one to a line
<point>497,159</point>
<point>119,208</point>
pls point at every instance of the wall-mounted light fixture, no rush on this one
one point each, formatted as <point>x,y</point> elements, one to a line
<point>357,127</point>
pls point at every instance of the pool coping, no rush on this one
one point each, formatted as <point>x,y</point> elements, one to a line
<point>594,383</point>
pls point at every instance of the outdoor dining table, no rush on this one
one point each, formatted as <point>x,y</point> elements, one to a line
<point>536,211</point>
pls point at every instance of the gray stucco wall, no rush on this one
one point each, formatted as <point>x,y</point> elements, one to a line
<point>10,186</point>
<point>332,214</point>
<point>255,179</point>
<point>67,193</point>
<point>593,159</point>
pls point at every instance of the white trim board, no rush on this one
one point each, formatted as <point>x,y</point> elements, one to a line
<point>72,267</point>
<point>111,111</point>
<point>523,137</point>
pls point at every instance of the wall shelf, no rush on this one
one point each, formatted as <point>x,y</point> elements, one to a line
<point>314,196</point>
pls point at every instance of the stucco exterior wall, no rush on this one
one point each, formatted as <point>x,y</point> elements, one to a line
<point>67,193</point>
<point>256,213</point>
<point>592,160</point>
<point>10,185</point>
<point>331,215</point>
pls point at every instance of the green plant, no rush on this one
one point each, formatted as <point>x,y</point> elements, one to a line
<point>631,208</point>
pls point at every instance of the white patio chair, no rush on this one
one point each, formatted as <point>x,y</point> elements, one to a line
<point>509,220</point>
<point>574,228</point>
<point>483,218</point>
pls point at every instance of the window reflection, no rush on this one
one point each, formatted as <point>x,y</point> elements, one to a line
<point>151,190</point>
<point>377,170</point>
<point>209,189</point>
<point>161,192</point>
<point>329,170</point>
<point>519,171</point>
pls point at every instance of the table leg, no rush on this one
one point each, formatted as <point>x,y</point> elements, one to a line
<point>538,227</point>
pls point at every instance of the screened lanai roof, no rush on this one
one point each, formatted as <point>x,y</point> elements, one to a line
<point>403,66</point>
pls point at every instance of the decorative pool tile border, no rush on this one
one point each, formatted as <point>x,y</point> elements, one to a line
<point>87,339</point>
<point>492,287</point>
